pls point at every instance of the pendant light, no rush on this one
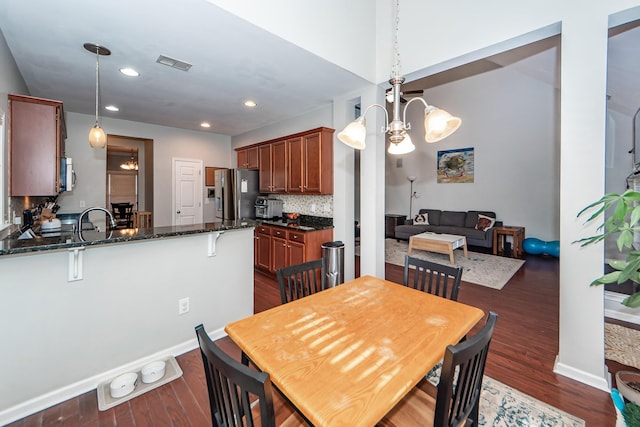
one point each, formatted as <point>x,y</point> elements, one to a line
<point>97,137</point>
<point>438,124</point>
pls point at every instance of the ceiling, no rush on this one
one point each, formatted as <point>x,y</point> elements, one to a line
<point>232,59</point>
<point>285,80</point>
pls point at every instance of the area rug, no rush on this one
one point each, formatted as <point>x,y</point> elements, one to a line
<point>622,344</point>
<point>503,406</point>
<point>482,269</point>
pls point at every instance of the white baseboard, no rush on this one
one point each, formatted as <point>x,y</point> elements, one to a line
<point>614,309</point>
<point>55,397</point>
<point>602,383</point>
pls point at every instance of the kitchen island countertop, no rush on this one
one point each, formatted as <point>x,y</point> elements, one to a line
<point>65,240</point>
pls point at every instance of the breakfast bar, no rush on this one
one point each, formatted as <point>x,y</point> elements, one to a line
<point>122,312</point>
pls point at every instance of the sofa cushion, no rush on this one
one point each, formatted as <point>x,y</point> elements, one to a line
<point>484,222</point>
<point>433,215</point>
<point>453,218</point>
<point>472,217</point>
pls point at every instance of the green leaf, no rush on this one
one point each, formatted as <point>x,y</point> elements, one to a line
<point>612,277</point>
<point>617,264</point>
<point>632,300</point>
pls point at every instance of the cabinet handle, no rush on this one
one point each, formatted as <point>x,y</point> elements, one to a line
<point>295,237</point>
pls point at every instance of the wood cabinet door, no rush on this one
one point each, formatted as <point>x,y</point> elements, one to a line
<point>279,253</point>
<point>263,251</point>
<point>313,163</point>
<point>264,166</point>
<point>296,252</point>
<point>295,177</point>
<point>252,158</point>
<point>35,146</point>
<point>242,159</point>
<point>279,166</point>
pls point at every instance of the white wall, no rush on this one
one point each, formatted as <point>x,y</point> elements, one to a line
<point>10,82</point>
<point>321,117</point>
<point>515,146</point>
<point>90,164</point>
<point>67,337</point>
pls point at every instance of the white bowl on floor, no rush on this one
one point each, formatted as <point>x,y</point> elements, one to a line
<point>123,385</point>
<point>153,371</point>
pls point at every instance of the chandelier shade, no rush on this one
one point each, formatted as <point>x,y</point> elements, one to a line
<point>403,147</point>
<point>439,124</point>
<point>355,134</point>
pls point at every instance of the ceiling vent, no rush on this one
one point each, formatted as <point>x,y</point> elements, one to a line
<point>174,63</point>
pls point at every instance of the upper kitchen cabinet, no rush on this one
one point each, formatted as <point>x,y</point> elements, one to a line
<point>248,158</point>
<point>310,162</point>
<point>272,163</point>
<point>36,144</point>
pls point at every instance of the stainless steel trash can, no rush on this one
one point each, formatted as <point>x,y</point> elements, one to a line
<point>333,255</point>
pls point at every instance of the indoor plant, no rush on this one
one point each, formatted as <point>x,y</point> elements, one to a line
<point>623,216</point>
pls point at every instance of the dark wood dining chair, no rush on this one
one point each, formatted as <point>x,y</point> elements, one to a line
<point>123,214</point>
<point>234,387</point>
<point>456,399</point>
<point>300,280</point>
<point>437,279</point>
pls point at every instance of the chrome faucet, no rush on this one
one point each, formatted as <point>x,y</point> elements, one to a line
<point>112,221</point>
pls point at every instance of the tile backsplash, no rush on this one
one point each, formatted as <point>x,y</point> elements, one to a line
<point>305,204</point>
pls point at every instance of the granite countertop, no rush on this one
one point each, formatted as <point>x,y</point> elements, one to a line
<point>67,239</point>
<point>304,223</point>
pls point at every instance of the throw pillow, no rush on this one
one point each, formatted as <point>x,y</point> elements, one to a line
<point>484,222</point>
<point>421,219</point>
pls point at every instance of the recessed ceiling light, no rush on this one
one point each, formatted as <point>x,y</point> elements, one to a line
<point>111,108</point>
<point>250,103</point>
<point>129,72</point>
<point>205,125</point>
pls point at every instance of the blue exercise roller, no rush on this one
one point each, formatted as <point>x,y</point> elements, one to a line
<point>534,246</point>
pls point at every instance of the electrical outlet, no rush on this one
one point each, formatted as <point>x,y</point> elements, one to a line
<point>82,204</point>
<point>183,305</point>
<point>313,207</point>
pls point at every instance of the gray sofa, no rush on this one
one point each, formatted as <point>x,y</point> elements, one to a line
<point>451,222</point>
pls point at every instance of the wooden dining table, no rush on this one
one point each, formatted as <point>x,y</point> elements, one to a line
<point>345,356</point>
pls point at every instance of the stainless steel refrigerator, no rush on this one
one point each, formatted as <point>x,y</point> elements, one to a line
<point>235,193</point>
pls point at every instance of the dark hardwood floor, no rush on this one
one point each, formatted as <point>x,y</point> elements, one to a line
<point>522,354</point>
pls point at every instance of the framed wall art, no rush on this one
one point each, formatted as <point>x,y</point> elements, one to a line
<point>455,166</point>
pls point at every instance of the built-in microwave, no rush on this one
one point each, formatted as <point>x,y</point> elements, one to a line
<point>67,174</point>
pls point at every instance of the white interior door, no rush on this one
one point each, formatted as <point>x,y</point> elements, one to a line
<point>187,191</point>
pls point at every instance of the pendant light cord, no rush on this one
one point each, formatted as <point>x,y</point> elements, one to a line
<point>97,80</point>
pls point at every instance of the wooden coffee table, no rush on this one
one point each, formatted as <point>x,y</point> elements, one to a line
<point>439,243</point>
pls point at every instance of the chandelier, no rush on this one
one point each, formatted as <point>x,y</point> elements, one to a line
<point>438,124</point>
<point>97,137</point>
<point>131,164</point>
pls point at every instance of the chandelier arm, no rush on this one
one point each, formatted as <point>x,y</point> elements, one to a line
<point>386,115</point>
<point>427,107</point>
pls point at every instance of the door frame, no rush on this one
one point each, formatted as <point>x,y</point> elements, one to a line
<point>174,160</point>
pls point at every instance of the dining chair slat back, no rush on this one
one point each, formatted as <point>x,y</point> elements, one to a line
<point>436,279</point>
<point>456,400</point>
<point>230,385</point>
<point>301,280</point>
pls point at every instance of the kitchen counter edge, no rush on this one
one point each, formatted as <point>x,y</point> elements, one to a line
<point>13,246</point>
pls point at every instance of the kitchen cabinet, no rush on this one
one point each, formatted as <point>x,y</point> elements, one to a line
<point>310,162</point>
<point>36,144</point>
<point>248,158</point>
<point>262,247</point>
<point>272,164</point>
<point>283,246</point>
